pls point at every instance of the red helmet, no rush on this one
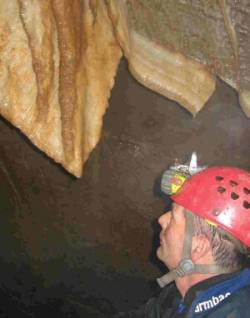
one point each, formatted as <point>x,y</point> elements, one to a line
<point>222,196</point>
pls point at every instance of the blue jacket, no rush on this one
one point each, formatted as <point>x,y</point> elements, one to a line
<point>223,296</point>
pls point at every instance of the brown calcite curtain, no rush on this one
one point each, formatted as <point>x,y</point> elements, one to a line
<point>58,62</point>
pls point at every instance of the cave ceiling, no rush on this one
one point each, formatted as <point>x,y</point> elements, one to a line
<point>59,58</point>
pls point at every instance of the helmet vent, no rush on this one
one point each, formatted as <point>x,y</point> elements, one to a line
<point>234,196</point>
<point>233,183</point>
<point>219,178</point>
<point>246,190</point>
<point>246,205</point>
<point>221,189</point>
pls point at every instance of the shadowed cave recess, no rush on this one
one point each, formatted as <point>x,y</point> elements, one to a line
<point>86,247</point>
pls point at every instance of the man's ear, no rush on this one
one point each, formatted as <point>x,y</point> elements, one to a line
<point>201,248</point>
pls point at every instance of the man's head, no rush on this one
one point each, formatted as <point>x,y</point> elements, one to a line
<point>172,238</point>
<point>216,203</point>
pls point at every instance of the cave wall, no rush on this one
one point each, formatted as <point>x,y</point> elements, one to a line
<point>86,246</point>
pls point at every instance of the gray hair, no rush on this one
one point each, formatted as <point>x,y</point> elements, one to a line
<point>227,251</point>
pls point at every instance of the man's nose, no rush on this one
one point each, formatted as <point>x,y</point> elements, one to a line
<point>164,220</point>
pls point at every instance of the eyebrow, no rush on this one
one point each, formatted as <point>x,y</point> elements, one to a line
<point>173,210</point>
<point>173,207</point>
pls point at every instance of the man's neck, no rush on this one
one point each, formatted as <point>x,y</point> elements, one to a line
<point>184,283</point>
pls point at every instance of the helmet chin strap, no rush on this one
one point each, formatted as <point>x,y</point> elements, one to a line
<point>186,265</point>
